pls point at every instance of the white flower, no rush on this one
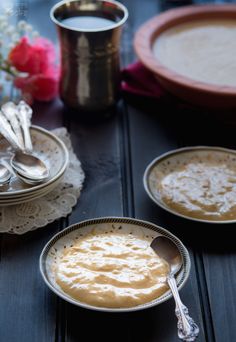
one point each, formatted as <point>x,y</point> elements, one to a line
<point>2,19</point>
<point>15,37</point>
<point>23,74</point>
<point>10,30</point>
<point>10,46</point>
<point>13,69</point>
<point>28,28</point>
<point>35,34</point>
<point>22,25</point>
<point>3,25</point>
<point>9,11</point>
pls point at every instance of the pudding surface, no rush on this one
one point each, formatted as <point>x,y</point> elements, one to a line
<point>202,50</point>
<point>201,190</point>
<point>112,270</point>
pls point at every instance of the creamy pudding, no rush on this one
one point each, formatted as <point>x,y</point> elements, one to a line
<point>202,50</point>
<point>112,270</point>
<point>204,190</point>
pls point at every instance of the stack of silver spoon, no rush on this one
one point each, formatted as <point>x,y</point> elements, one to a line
<point>15,122</point>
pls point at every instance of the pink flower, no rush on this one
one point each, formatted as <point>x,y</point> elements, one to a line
<point>41,87</point>
<point>32,58</point>
<point>37,60</point>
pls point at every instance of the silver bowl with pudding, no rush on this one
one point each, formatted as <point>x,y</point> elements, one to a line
<point>196,183</point>
<point>107,264</point>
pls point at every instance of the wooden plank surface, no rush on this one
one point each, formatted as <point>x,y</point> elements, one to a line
<point>114,155</point>
<point>153,143</point>
<point>164,129</point>
<point>28,309</point>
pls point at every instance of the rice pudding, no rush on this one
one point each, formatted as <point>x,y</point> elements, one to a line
<point>203,50</point>
<point>204,190</point>
<point>112,270</point>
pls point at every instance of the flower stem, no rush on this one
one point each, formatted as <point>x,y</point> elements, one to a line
<point>6,67</point>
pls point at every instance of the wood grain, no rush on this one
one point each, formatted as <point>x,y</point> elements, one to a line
<point>114,154</point>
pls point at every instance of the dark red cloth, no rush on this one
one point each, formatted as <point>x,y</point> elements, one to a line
<point>137,80</point>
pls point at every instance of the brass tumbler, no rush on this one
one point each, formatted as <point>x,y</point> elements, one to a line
<point>90,61</point>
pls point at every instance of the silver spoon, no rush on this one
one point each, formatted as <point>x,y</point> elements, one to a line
<point>5,175</point>
<point>10,111</point>
<point>29,166</point>
<point>24,115</point>
<point>27,180</point>
<point>168,250</point>
<point>23,163</point>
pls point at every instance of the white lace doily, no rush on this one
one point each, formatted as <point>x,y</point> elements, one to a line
<point>19,219</point>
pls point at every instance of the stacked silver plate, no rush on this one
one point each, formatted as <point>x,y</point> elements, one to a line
<point>52,151</point>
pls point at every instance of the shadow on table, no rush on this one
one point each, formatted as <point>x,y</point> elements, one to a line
<point>191,125</point>
<point>205,237</point>
<point>145,325</point>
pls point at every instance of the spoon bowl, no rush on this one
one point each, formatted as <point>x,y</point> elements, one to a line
<point>29,166</point>
<point>29,181</point>
<point>168,251</point>
<point>5,175</point>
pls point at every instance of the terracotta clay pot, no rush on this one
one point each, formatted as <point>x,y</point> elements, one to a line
<point>195,92</point>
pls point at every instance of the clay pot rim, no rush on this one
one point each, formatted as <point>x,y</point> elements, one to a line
<point>149,31</point>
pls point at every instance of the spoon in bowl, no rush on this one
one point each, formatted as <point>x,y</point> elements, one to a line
<point>25,164</point>
<point>10,111</point>
<point>24,112</point>
<point>168,250</point>
<point>29,166</point>
<point>5,175</point>
<point>27,180</point>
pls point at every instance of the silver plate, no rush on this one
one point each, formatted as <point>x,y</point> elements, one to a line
<point>51,150</point>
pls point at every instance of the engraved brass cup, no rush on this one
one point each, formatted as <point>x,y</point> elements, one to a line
<point>90,66</point>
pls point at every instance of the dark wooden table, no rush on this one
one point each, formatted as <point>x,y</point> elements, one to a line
<point>114,155</point>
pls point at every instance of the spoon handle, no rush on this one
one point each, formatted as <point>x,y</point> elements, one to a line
<point>9,109</point>
<point>7,132</point>
<point>25,113</point>
<point>187,328</point>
